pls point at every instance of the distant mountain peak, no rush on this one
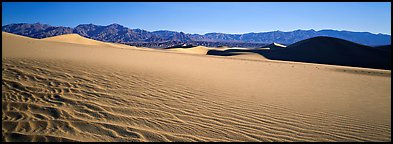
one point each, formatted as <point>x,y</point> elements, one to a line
<point>115,24</point>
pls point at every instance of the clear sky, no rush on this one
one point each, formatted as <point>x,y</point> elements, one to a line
<point>205,17</point>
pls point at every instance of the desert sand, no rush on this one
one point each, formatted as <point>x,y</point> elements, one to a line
<point>78,90</point>
<point>244,53</point>
<point>77,39</point>
<point>194,50</point>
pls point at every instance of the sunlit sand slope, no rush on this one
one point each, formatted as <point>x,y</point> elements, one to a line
<point>54,91</point>
<point>194,50</point>
<point>77,39</point>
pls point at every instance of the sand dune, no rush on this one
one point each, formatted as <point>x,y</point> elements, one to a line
<point>58,91</point>
<point>74,38</point>
<point>77,39</point>
<point>193,50</point>
<point>324,50</point>
<point>274,46</point>
<point>387,48</point>
<point>235,52</point>
<point>328,50</point>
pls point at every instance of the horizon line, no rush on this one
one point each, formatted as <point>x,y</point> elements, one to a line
<point>341,30</point>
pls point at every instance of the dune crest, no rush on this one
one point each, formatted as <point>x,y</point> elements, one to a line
<point>193,50</point>
<point>74,38</point>
<point>78,39</point>
<point>6,34</point>
<point>274,46</point>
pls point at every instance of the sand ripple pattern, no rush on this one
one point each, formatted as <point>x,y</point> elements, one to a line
<point>45,101</point>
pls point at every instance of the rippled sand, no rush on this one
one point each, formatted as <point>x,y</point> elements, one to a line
<point>54,91</point>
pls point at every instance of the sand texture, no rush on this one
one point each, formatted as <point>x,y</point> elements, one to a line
<point>75,90</point>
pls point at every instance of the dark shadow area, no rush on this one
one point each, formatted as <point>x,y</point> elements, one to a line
<point>325,50</point>
<point>387,48</point>
<point>232,52</point>
<point>180,46</point>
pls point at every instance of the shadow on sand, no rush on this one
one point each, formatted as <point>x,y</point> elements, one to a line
<point>324,50</point>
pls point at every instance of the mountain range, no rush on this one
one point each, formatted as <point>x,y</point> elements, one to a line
<point>163,38</point>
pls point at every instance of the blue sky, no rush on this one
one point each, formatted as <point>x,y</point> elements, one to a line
<point>204,17</point>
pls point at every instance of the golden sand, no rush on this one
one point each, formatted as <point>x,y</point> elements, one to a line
<point>68,90</point>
